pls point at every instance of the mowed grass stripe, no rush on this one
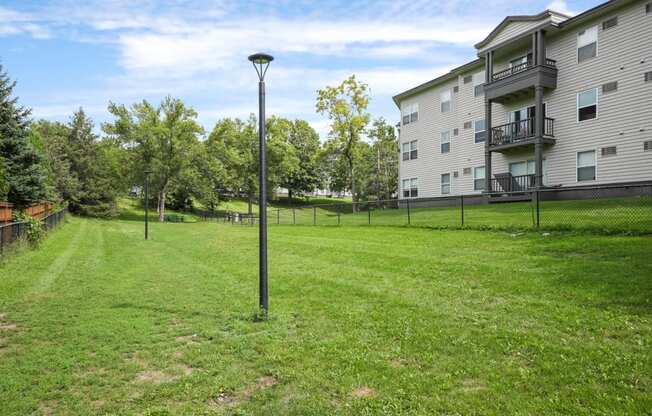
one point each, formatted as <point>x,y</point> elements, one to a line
<point>364,320</point>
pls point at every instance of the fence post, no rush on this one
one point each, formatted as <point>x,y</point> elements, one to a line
<point>294,217</point>
<point>314,215</point>
<point>278,216</point>
<point>462,206</point>
<point>538,217</point>
<point>408,210</point>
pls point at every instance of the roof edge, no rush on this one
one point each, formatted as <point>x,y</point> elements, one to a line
<point>450,74</point>
<point>519,18</point>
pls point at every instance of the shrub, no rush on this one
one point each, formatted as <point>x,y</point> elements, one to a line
<point>35,230</point>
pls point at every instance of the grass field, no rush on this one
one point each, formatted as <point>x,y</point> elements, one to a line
<point>608,215</point>
<point>364,320</point>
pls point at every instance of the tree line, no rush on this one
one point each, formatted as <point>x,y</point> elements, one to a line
<point>71,163</point>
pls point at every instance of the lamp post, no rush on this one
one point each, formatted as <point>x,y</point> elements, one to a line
<point>147,172</point>
<point>261,62</point>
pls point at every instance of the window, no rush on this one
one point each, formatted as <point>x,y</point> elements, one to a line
<point>410,188</point>
<point>466,171</point>
<point>608,24</point>
<point>410,113</point>
<point>410,150</point>
<point>648,76</point>
<point>456,132</point>
<point>446,183</point>
<point>445,141</point>
<point>521,60</point>
<point>480,131</point>
<point>468,79</point>
<point>586,166</point>
<point>608,151</point>
<point>468,125</point>
<point>587,44</point>
<point>414,115</point>
<point>587,105</point>
<point>478,84</point>
<point>445,100</point>
<point>406,114</point>
<point>610,87</point>
<point>478,178</point>
<point>647,145</point>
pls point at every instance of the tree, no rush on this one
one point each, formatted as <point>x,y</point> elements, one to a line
<point>305,146</point>
<point>346,107</point>
<point>160,138</point>
<point>23,169</point>
<point>235,144</point>
<point>384,159</point>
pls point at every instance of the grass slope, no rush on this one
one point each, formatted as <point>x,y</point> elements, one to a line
<point>364,320</point>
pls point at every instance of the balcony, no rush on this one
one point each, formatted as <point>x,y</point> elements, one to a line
<point>520,133</point>
<point>505,182</point>
<point>519,80</point>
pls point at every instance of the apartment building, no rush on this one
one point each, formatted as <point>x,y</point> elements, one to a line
<point>551,101</point>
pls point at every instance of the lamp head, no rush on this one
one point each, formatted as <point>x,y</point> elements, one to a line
<point>261,63</point>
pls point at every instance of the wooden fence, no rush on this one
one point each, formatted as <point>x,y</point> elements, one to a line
<point>38,211</point>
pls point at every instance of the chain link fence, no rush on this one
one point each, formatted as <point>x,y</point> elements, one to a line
<point>620,208</point>
<point>12,232</point>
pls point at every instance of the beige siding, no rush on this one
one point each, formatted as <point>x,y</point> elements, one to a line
<point>513,30</point>
<point>624,116</point>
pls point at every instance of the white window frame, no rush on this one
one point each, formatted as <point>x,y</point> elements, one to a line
<point>405,112</point>
<point>414,110</point>
<point>595,164</point>
<point>404,152</point>
<point>479,78</point>
<point>475,178</point>
<point>475,131</point>
<point>441,184</point>
<point>597,106</point>
<point>578,46</point>
<point>441,141</point>
<point>410,187</point>
<point>448,92</point>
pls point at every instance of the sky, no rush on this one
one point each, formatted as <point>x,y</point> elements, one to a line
<point>68,54</point>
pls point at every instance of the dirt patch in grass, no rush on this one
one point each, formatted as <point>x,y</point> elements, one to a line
<point>159,377</point>
<point>188,339</point>
<point>471,385</point>
<point>5,324</point>
<point>363,392</point>
<point>45,409</point>
<point>223,399</point>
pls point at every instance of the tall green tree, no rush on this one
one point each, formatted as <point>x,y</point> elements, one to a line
<point>235,144</point>
<point>160,138</point>
<point>303,174</point>
<point>383,160</point>
<point>346,107</point>
<point>23,167</point>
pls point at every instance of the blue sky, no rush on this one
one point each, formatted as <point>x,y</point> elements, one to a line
<point>66,54</point>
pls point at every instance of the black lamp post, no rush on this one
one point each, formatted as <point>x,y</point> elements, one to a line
<point>261,63</point>
<point>147,172</point>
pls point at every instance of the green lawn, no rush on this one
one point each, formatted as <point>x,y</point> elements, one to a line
<point>364,320</point>
<point>604,215</point>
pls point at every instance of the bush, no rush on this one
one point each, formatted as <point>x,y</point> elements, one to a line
<point>35,230</point>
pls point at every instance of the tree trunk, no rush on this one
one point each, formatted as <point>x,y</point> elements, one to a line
<point>161,206</point>
<point>290,196</point>
<point>249,198</point>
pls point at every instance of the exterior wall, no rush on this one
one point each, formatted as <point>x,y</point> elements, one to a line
<point>624,116</point>
<point>512,30</point>
<point>431,163</point>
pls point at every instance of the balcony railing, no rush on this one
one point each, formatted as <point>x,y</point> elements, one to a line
<point>505,182</point>
<point>520,130</point>
<point>515,69</point>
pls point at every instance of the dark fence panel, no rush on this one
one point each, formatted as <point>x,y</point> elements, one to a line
<point>12,232</point>
<point>618,208</point>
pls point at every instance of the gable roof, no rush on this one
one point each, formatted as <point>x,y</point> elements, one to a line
<point>546,14</point>
<point>447,76</point>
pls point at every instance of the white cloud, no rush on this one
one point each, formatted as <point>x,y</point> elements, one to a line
<point>14,23</point>
<point>561,6</point>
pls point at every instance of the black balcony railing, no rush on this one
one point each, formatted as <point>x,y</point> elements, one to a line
<point>505,182</point>
<point>520,130</point>
<point>515,69</point>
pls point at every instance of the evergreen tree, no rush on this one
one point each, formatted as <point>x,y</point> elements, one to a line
<point>23,168</point>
